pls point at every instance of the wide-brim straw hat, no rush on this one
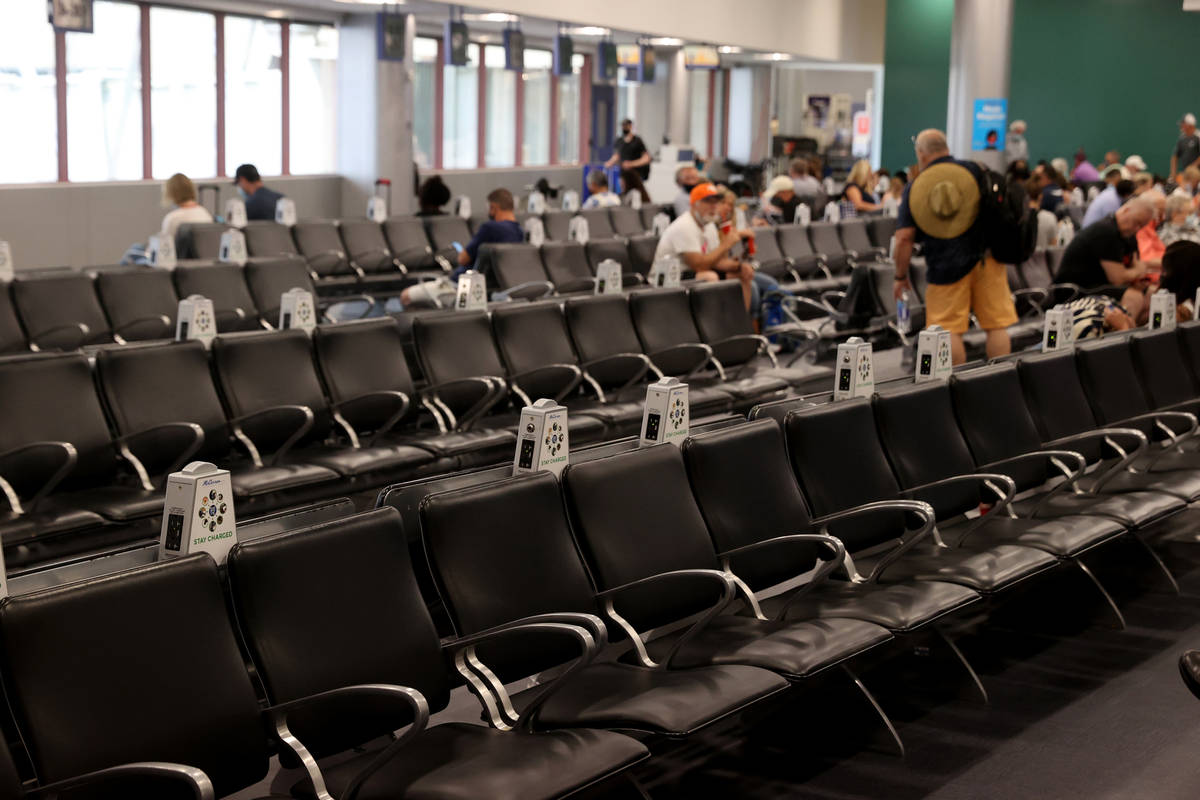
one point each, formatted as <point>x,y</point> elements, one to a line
<point>944,200</point>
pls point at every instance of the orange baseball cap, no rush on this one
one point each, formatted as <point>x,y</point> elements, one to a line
<point>703,191</point>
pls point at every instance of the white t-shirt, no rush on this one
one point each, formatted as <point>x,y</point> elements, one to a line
<point>685,235</point>
<point>602,200</point>
<point>184,216</point>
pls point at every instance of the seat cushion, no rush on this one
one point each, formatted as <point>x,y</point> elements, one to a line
<point>985,569</point>
<point>669,702</point>
<point>613,414</point>
<point>899,607</point>
<point>706,398</point>
<point>1182,483</point>
<point>250,482</point>
<point>1064,537</point>
<point>45,522</point>
<point>351,462</point>
<point>461,443</point>
<point>793,649</point>
<point>755,387</point>
<point>119,503</point>
<point>1132,509</point>
<point>468,762</point>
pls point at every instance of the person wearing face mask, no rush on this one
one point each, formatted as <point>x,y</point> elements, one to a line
<point>630,152</point>
<point>260,201</point>
<point>694,239</point>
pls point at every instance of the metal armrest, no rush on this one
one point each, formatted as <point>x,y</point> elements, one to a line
<point>986,479</point>
<point>160,318</point>
<point>838,557</point>
<point>764,345</point>
<point>703,351</point>
<point>126,445</point>
<point>645,366</point>
<point>225,314</point>
<point>414,700</point>
<point>918,507</point>
<point>306,418</point>
<point>197,781</point>
<point>1069,292</point>
<point>575,372</point>
<point>342,300</point>
<point>495,386</point>
<point>1160,419</point>
<point>377,257</point>
<point>1111,437</point>
<point>525,290</point>
<point>400,397</point>
<point>79,327</point>
<point>730,587</point>
<point>832,294</point>
<point>586,629</point>
<point>70,456</point>
<point>443,262</point>
<point>1057,459</point>
<point>1036,297</point>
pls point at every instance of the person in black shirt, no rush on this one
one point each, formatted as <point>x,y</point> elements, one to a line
<point>1187,149</point>
<point>1105,252</point>
<point>260,201</point>
<point>630,152</point>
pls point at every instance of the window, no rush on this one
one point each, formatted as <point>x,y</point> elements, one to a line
<point>424,100</point>
<point>626,100</point>
<point>183,99</point>
<point>535,143</point>
<point>253,94</point>
<point>569,112</point>
<point>500,140</point>
<point>698,92</point>
<point>460,113</point>
<point>313,99</point>
<point>718,142</point>
<point>27,95</point>
<point>104,96</point>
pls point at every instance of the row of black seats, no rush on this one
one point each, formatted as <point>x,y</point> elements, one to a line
<point>528,271</point>
<point>818,257</point>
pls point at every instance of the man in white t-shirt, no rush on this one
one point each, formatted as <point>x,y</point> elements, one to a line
<point>693,237</point>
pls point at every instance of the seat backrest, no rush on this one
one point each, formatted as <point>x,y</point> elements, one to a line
<point>363,237</point>
<point>1111,381</point>
<point>719,313</point>
<point>524,562</point>
<point>269,279</point>
<point>10,779</point>
<point>881,230</point>
<point>445,229</point>
<point>453,346</point>
<point>1035,271</point>
<point>138,666</point>
<point>991,411</point>
<point>916,425</point>
<point>1054,257</point>
<point>599,224</point>
<point>634,516</point>
<point>600,326</point>
<point>1015,281</point>
<point>600,249</point>
<point>53,398</point>
<point>825,240</point>
<point>1056,398</point>
<point>137,301</point>
<point>532,335</point>
<point>1162,365</point>
<point>206,240</point>
<point>565,262</point>
<point>663,318</point>
<point>651,210</point>
<point>319,242</point>
<point>840,463</point>
<point>766,245</point>
<point>12,338</point>
<point>407,240</point>
<point>557,225</point>
<point>266,238</point>
<point>360,357</point>
<point>270,368</point>
<point>1189,339</point>
<point>509,265</point>
<point>854,234</point>
<point>641,252</point>
<point>148,385</point>
<point>52,308</point>
<point>626,221</point>
<point>303,642</point>
<point>794,241</point>
<point>225,285</point>
<point>747,493</point>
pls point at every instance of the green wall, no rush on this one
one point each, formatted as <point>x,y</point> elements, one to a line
<point>916,75</point>
<point>1102,74</point>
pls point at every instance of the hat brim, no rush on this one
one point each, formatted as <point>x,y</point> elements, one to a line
<point>933,224</point>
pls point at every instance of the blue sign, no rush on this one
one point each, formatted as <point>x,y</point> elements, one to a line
<point>991,122</point>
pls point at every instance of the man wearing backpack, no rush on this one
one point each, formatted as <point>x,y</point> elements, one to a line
<point>941,209</point>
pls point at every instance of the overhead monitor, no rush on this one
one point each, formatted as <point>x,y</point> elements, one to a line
<point>701,56</point>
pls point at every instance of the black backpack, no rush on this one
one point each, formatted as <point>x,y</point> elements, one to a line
<point>1007,223</point>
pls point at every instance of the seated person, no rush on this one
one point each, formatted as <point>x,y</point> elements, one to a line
<point>599,195</point>
<point>1180,225</point>
<point>1150,247</point>
<point>260,201</point>
<point>891,199</point>
<point>686,178</point>
<point>805,184</point>
<point>761,284</point>
<point>179,194</point>
<point>1094,315</point>
<point>857,198</point>
<point>780,201</point>
<point>1051,192</point>
<point>693,238</point>
<point>1105,253</point>
<point>501,227</point>
<point>1109,200</point>
<point>1181,270</point>
<point>432,195</point>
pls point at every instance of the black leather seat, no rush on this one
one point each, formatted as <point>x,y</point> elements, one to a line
<point>806,263</point>
<point>881,230</point>
<point>626,221</point>
<point>514,269</point>
<point>368,250</point>
<point>641,252</point>
<point>771,259</point>
<point>557,224</point>
<point>140,304</point>
<point>12,338</point>
<point>854,235</point>
<point>1162,363</point>
<point>599,224</point>
<point>825,240</point>
<point>268,279</point>
<point>525,565</point>
<point>566,266</point>
<point>225,285</point>
<point>445,229</point>
<point>60,312</point>
<point>1189,670</point>
<point>321,245</point>
<point>650,210</point>
<point>200,240</point>
<point>616,249</point>
<point>304,642</point>
<point>410,244</point>
<point>364,368</point>
<point>266,239</point>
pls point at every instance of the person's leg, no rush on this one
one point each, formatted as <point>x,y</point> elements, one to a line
<point>998,343</point>
<point>949,305</point>
<point>992,302</point>
<point>1134,302</point>
<point>748,293</point>
<point>632,182</point>
<point>707,276</point>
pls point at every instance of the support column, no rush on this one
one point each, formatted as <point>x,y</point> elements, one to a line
<point>678,100</point>
<point>980,56</point>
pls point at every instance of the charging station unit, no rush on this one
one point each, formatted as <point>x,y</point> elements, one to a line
<point>285,212</point>
<point>803,215</point>
<point>855,373</point>
<point>1162,311</point>
<point>198,513</point>
<point>542,443</point>
<point>570,200</point>
<point>535,231</point>
<point>6,261</point>
<point>160,251</point>
<point>665,273</point>
<point>235,212</point>
<point>536,204</point>
<point>472,292</point>
<point>462,206</point>
<point>1057,333</point>
<point>666,417</point>
<point>233,248</point>
<point>660,223</point>
<point>196,320</point>
<point>934,361</point>
<point>296,310</point>
<point>833,212</point>
<point>577,230</point>
<point>608,277</point>
<point>377,210</point>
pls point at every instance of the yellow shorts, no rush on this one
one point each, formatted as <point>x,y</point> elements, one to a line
<point>983,290</point>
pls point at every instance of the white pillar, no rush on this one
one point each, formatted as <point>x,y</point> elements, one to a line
<point>678,99</point>
<point>980,54</point>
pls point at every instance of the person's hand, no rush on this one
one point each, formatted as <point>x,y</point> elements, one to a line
<point>900,285</point>
<point>745,233</point>
<point>745,271</point>
<point>731,238</point>
<point>1183,312</point>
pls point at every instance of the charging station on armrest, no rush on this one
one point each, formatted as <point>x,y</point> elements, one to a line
<point>161,251</point>
<point>6,262</point>
<point>666,417</point>
<point>472,292</point>
<point>296,310</point>
<point>1162,311</point>
<point>285,212</point>
<point>233,248</point>
<point>665,273</point>
<point>855,373</point>
<point>235,212</point>
<point>542,443</point>
<point>608,277</point>
<point>934,362</point>
<point>196,320</point>
<point>1058,333</point>
<point>198,514</point>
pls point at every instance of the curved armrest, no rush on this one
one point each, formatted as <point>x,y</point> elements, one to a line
<point>201,787</point>
<point>75,327</point>
<point>531,289</point>
<point>709,575</point>
<point>163,319</point>
<point>1113,438</point>
<point>377,258</point>
<point>402,695</point>
<point>1056,458</point>
<point>986,479</point>
<point>1160,419</point>
<point>703,353</point>
<point>918,507</point>
<point>644,366</point>
<point>1065,292</point>
<point>402,405</point>
<point>69,457</point>
<point>303,414</point>
<point>837,558</point>
<point>494,385</point>
<point>575,372</point>
<point>1036,297</point>
<point>764,345</point>
<point>221,315</point>
<point>128,443</point>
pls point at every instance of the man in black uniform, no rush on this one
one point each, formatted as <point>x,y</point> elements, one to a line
<point>630,152</point>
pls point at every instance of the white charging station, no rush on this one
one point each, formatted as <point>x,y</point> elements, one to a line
<point>233,248</point>
<point>1162,311</point>
<point>666,417</point>
<point>285,212</point>
<point>472,292</point>
<point>1058,332</point>
<point>377,210</point>
<point>536,204</point>
<point>855,373</point>
<point>608,277</point>
<point>6,261</point>
<point>803,214</point>
<point>235,212</point>
<point>542,443</point>
<point>634,199</point>
<point>739,218</point>
<point>660,223</point>
<point>198,513</point>
<point>570,201</point>
<point>934,362</point>
<point>577,230</point>
<point>296,310</point>
<point>161,251</point>
<point>833,212</point>
<point>196,320</point>
<point>462,206</point>
<point>535,231</point>
<point>666,272</point>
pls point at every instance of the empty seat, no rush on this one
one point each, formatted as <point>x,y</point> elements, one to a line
<point>770,258</point>
<point>641,252</point>
<point>607,343</point>
<point>268,279</point>
<point>599,224</point>
<point>200,240</point>
<point>855,238</point>
<point>1162,364</point>
<point>409,243</point>
<point>651,210</point>
<point>825,240</point>
<point>808,265</point>
<point>881,230</point>
<point>367,246</point>
<point>626,221</point>
<point>566,265</point>
<point>321,245</point>
<point>616,249</point>
<point>60,312</point>
<point>12,338</point>
<point>225,285</point>
<point>269,239</point>
<point>140,304</point>
<point>514,269</point>
<point>557,224</point>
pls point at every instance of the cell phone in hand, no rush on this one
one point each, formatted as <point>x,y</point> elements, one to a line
<point>457,246</point>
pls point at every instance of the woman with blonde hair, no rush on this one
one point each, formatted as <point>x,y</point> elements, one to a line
<point>179,195</point>
<point>856,197</point>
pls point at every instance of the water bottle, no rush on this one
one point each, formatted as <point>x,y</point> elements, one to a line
<point>904,312</point>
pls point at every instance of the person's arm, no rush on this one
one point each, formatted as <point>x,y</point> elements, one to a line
<point>903,256</point>
<point>641,161</point>
<point>1120,275</point>
<point>616,156</point>
<point>712,260</point>
<point>854,195</point>
<point>1174,162</point>
<point>467,257</point>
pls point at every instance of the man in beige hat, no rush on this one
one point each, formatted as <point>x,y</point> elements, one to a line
<point>940,208</point>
